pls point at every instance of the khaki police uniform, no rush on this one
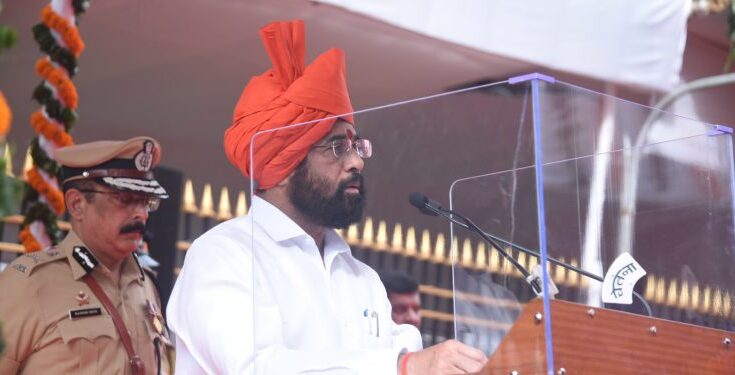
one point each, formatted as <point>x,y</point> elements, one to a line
<point>53,323</point>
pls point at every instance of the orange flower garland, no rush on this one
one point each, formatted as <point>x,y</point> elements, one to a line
<point>27,240</point>
<point>53,133</point>
<point>65,88</point>
<point>6,117</point>
<point>59,38</point>
<point>69,33</point>
<point>53,195</point>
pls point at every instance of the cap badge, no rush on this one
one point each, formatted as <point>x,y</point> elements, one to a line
<point>144,158</point>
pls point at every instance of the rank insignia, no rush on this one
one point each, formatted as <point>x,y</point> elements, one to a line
<point>155,317</point>
<point>84,257</point>
<point>34,257</point>
<point>20,267</point>
<point>82,298</point>
<point>157,325</point>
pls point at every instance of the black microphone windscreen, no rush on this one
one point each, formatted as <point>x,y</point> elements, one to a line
<point>419,201</point>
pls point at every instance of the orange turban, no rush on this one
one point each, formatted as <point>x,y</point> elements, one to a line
<point>286,94</point>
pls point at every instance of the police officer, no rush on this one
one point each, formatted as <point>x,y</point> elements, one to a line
<point>86,306</point>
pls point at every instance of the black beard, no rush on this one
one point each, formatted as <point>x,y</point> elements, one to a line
<point>310,195</point>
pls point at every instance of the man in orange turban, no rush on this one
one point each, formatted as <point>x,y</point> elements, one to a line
<point>278,291</point>
<point>287,94</point>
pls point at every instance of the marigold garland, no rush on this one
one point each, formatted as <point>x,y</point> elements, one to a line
<point>60,80</point>
<point>52,194</point>
<point>39,212</point>
<point>58,98</point>
<point>27,240</point>
<point>53,133</point>
<point>6,116</point>
<point>69,33</point>
<point>54,109</point>
<point>42,161</point>
<point>58,54</point>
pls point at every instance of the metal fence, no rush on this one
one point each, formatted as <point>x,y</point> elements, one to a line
<point>428,257</point>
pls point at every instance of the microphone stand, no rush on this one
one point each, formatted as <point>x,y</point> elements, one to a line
<point>468,224</point>
<point>493,240</point>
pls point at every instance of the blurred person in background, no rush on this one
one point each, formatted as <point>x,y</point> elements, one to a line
<point>403,294</point>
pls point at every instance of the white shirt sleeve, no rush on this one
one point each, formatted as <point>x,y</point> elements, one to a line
<point>212,313</point>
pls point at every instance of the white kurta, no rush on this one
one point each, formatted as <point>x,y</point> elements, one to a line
<point>254,296</point>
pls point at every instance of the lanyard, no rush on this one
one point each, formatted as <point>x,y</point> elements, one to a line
<point>136,364</point>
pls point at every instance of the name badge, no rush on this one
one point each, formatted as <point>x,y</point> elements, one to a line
<point>83,313</point>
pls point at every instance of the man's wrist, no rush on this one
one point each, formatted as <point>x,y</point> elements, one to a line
<point>399,358</point>
<point>403,358</point>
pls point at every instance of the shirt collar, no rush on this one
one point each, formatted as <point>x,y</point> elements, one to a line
<point>334,245</point>
<point>280,227</point>
<point>67,246</point>
<point>273,221</point>
<point>130,265</point>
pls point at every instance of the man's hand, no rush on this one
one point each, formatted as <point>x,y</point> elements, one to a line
<point>449,357</point>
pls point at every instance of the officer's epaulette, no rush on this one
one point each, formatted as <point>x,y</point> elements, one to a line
<point>28,262</point>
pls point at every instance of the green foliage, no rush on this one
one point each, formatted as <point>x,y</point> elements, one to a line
<point>39,211</point>
<point>8,37</point>
<point>48,45</point>
<point>54,109</point>
<point>43,161</point>
<point>11,190</point>
<point>80,6</point>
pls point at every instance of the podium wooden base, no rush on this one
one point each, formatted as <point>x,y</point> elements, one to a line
<point>601,341</point>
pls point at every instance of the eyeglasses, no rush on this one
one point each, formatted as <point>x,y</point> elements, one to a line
<point>127,199</point>
<point>340,147</point>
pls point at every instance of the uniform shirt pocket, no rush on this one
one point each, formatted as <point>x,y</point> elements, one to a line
<point>93,340</point>
<point>87,328</point>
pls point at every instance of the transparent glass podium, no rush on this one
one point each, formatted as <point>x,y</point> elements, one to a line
<point>524,173</point>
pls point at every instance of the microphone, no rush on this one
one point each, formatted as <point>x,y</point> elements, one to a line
<point>424,204</point>
<point>431,207</point>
